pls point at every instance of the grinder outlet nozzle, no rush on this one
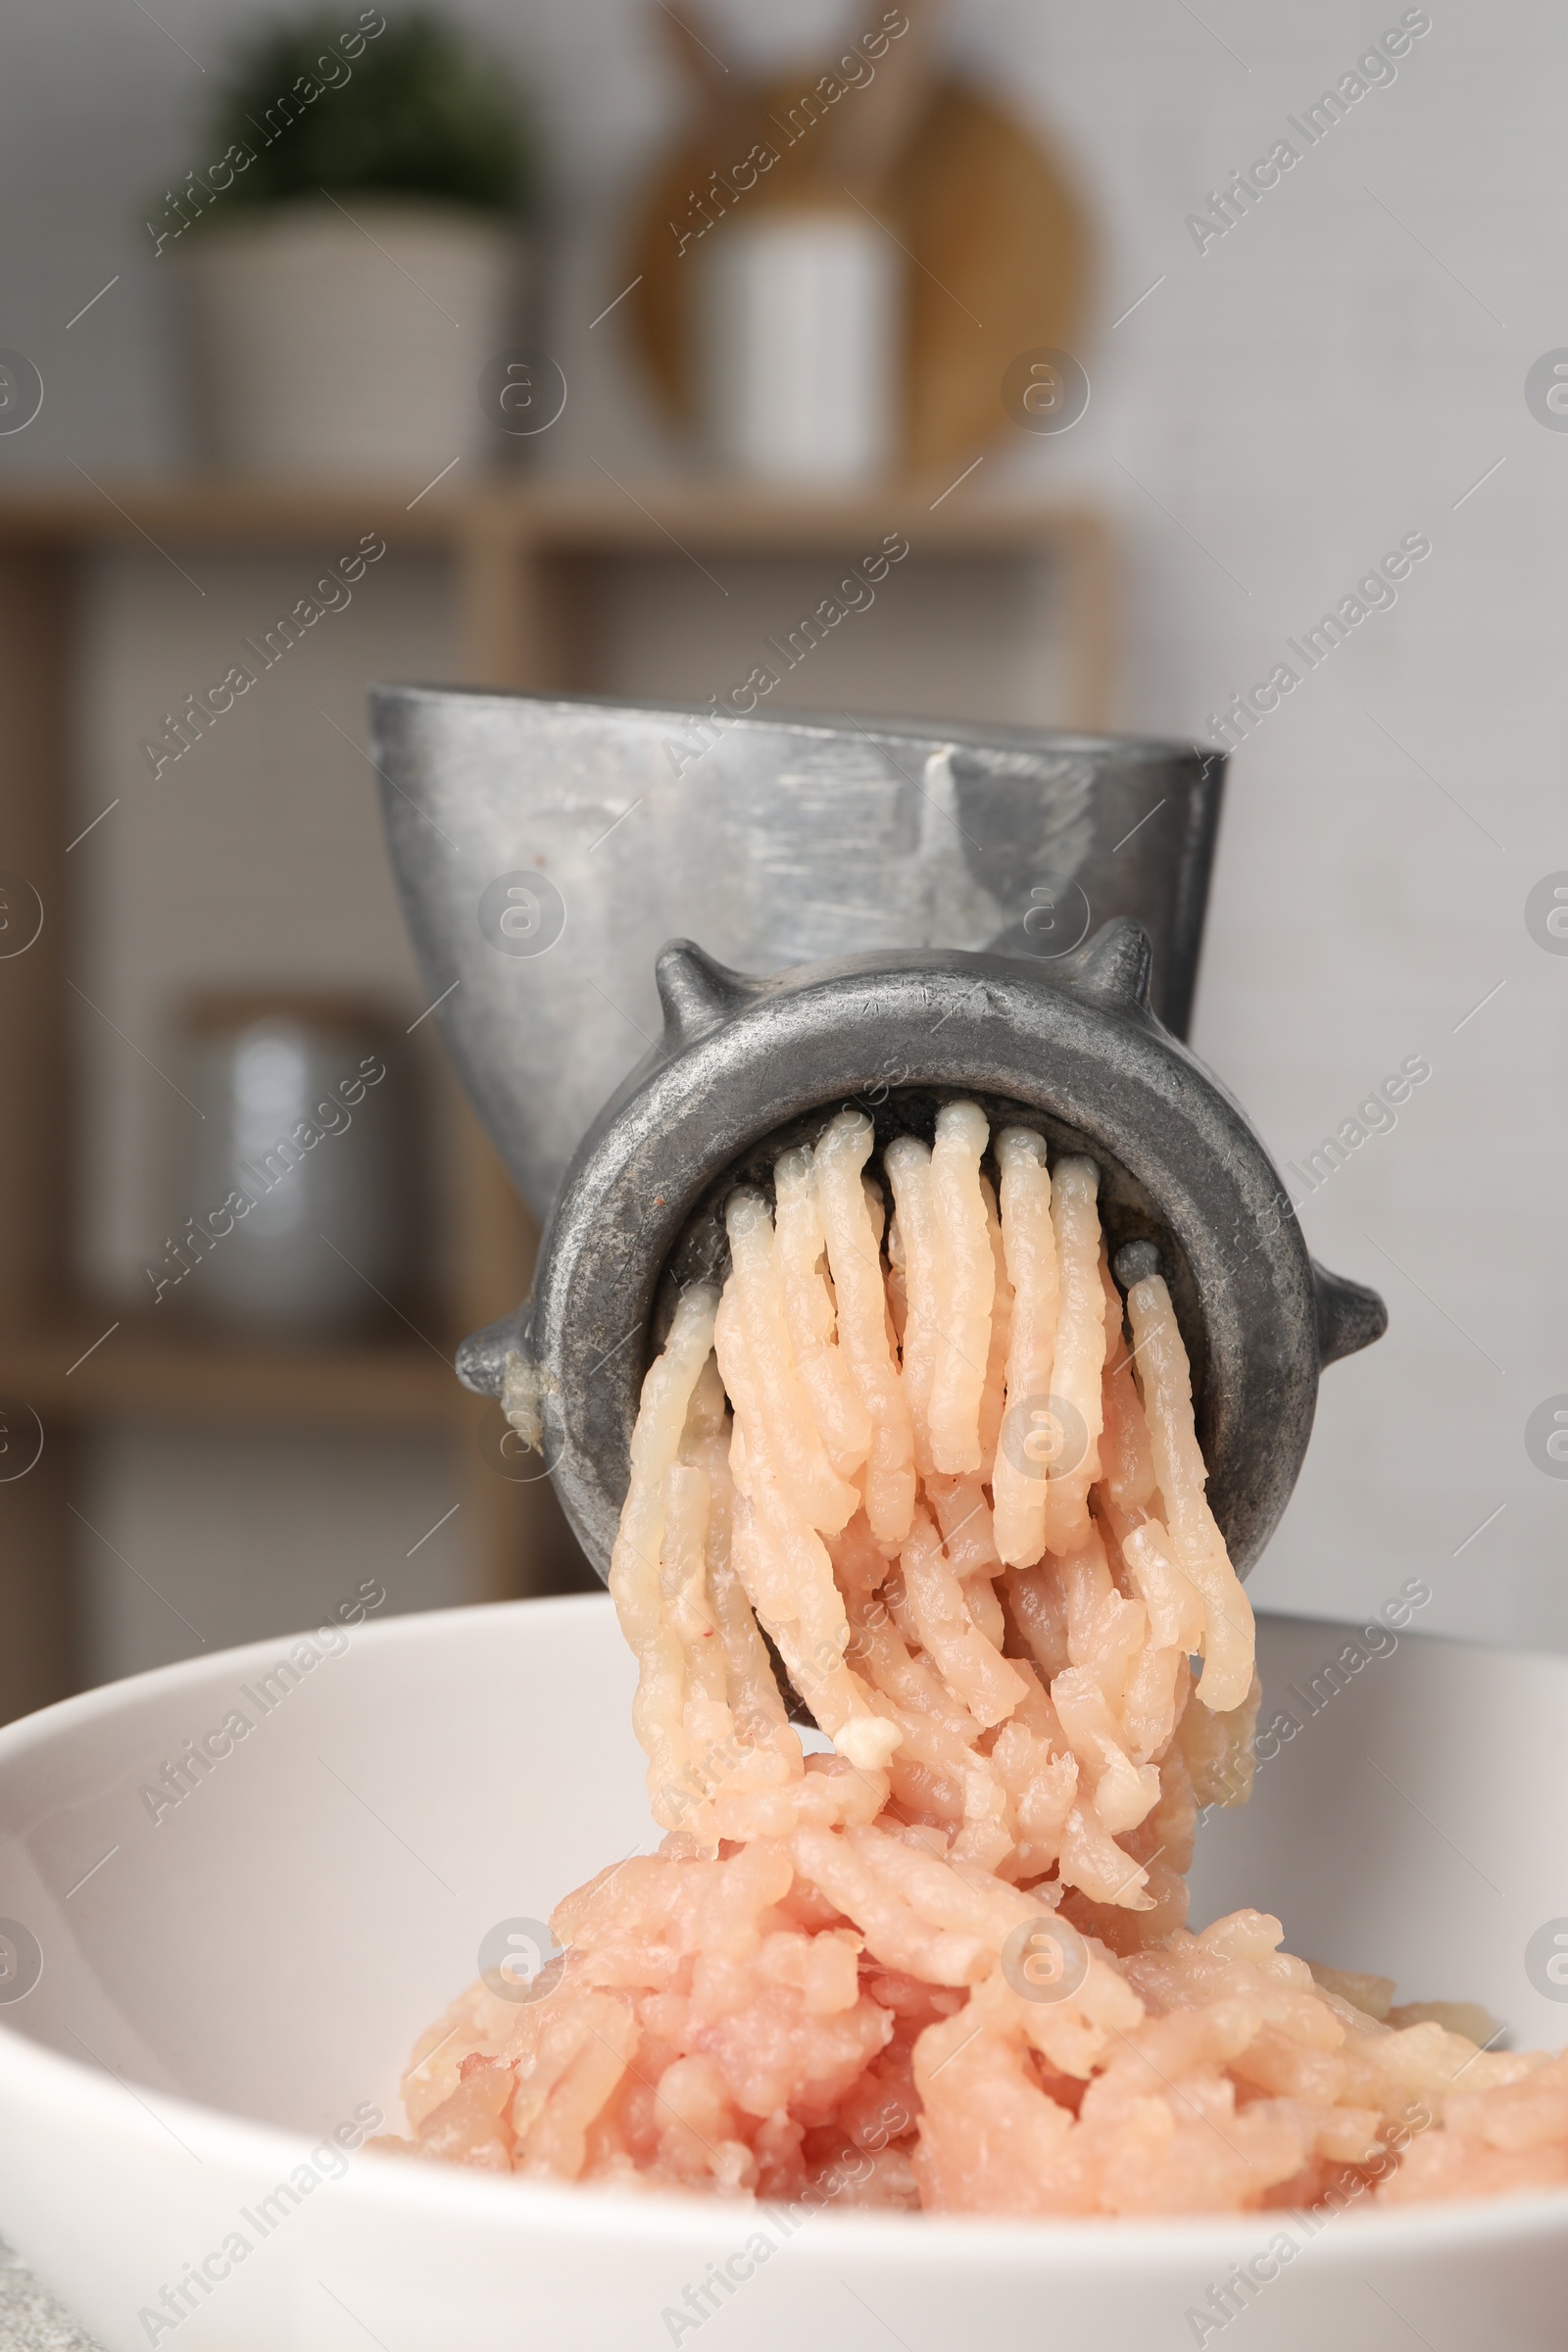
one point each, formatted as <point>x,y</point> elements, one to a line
<point>747,1068</point>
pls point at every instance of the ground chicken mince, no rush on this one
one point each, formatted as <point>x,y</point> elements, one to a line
<point>922,1440</point>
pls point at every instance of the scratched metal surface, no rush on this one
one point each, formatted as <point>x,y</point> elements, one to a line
<point>771,843</point>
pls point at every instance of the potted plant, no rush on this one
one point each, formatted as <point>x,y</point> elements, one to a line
<point>351,251</point>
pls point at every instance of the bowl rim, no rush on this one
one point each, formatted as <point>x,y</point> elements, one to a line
<point>71,2091</point>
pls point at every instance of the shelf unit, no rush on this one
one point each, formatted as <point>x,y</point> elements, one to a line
<point>524,557</point>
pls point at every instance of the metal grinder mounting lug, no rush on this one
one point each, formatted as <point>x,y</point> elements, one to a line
<point>746,1066</point>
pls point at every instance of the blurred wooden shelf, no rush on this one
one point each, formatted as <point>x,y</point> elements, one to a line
<point>531,573</point>
<point>527,554</point>
<point>595,515</point>
<point>89,1370</point>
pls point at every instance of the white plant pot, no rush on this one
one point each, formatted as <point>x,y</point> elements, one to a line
<point>798,330</point>
<point>325,345</point>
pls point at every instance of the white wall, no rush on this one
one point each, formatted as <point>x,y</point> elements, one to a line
<point>1335,373</point>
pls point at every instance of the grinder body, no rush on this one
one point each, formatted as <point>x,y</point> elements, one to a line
<point>944,910</point>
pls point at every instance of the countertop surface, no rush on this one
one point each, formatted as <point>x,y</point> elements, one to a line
<point>31,2321</point>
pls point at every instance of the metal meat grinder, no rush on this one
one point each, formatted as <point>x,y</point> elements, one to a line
<point>890,915</point>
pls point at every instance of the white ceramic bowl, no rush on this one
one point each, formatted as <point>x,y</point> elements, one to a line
<point>225,1986</point>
